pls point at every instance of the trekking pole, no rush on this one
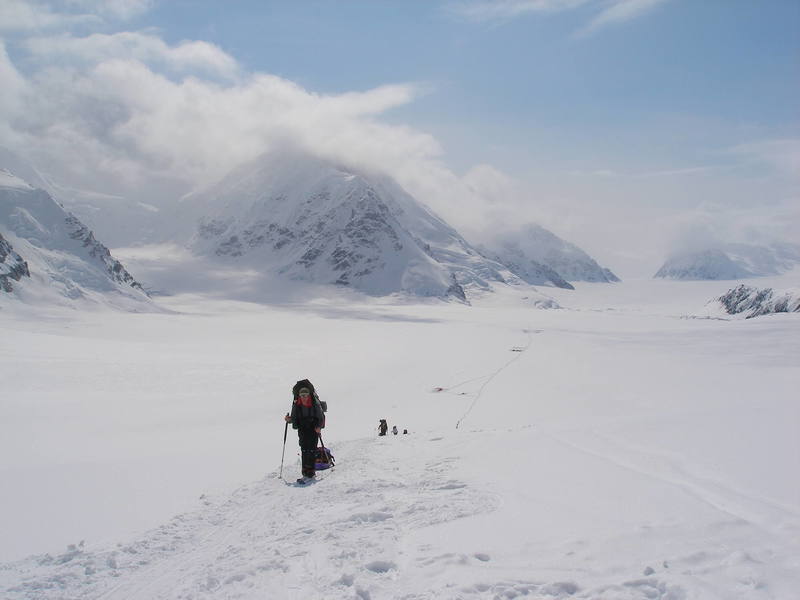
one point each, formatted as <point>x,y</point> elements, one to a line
<point>285,430</point>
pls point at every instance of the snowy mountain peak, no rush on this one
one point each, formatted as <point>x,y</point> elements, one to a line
<point>731,261</point>
<point>311,220</point>
<point>540,257</point>
<point>57,253</point>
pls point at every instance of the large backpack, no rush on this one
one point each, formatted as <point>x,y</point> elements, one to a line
<point>305,383</point>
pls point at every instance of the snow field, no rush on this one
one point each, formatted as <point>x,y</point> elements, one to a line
<point>610,450</point>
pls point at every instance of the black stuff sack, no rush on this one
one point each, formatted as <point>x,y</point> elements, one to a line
<point>323,459</point>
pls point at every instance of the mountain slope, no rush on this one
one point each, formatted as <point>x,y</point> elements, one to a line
<point>731,261</point>
<point>314,221</point>
<point>63,258</point>
<point>539,256</point>
<point>117,220</point>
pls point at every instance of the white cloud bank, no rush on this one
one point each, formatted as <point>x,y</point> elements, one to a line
<point>144,47</point>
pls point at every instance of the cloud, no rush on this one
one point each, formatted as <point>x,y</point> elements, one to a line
<point>121,10</point>
<point>31,15</point>
<point>100,113</point>
<point>144,47</point>
<point>782,155</point>
<point>12,83</point>
<point>20,15</point>
<point>493,10</point>
<point>611,11</point>
<point>620,11</point>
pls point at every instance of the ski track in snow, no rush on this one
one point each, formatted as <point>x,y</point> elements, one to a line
<point>774,518</point>
<point>519,350</point>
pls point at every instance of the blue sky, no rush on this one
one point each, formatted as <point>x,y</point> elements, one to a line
<point>597,118</point>
<point>725,60</point>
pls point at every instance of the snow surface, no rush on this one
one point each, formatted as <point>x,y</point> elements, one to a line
<point>621,447</point>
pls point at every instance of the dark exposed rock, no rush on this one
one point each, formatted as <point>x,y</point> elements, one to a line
<point>756,302</point>
<point>115,270</point>
<point>12,266</point>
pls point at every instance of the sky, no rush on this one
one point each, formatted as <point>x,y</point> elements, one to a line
<point>630,127</point>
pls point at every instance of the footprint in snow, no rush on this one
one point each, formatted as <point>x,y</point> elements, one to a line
<point>452,485</point>
<point>380,566</point>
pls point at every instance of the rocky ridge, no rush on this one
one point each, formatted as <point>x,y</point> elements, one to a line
<point>754,302</point>
<point>12,266</point>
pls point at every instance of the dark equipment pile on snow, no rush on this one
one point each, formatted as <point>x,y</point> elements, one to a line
<point>324,459</point>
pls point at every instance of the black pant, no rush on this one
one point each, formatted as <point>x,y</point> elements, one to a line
<point>308,449</point>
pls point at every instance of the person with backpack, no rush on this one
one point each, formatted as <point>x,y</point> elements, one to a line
<point>383,427</point>
<point>308,418</point>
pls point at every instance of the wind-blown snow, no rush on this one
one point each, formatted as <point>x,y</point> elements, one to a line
<point>9,181</point>
<point>612,449</point>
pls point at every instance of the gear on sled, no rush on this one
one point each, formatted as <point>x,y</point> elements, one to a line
<point>323,458</point>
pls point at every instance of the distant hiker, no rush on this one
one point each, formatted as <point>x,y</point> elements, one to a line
<point>383,427</point>
<point>308,418</point>
<point>394,429</point>
<point>405,431</point>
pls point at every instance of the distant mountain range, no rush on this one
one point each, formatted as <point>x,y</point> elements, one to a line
<point>313,220</point>
<point>46,253</point>
<point>302,218</point>
<point>731,261</point>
